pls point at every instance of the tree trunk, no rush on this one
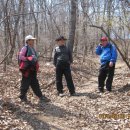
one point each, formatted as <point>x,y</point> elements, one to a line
<point>76,33</point>
<point>36,24</point>
<point>6,47</point>
<point>15,32</point>
<point>23,23</point>
<point>72,25</point>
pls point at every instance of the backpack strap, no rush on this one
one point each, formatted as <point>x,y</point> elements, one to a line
<point>19,61</point>
<point>26,51</point>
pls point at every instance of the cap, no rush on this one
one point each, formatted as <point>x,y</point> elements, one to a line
<point>104,39</point>
<point>29,37</point>
<point>61,38</point>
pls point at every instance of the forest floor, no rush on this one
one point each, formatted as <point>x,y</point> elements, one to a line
<point>89,110</point>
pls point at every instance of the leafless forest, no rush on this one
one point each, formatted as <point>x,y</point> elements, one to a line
<point>82,22</point>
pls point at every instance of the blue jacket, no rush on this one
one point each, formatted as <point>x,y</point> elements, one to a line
<point>107,53</point>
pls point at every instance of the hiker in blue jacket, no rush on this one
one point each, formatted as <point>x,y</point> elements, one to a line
<point>108,57</point>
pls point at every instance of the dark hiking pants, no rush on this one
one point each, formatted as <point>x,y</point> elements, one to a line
<point>106,73</point>
<point>64,69</point>
<point>32,81</point>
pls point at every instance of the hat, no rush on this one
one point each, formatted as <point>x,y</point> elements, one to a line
<point>61,38</point>
<point>29,37</point>
<point>104,39</point>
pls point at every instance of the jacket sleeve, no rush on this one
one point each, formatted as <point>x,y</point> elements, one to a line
<point>55,58</point>
<point>98,50</point>
<point>114,54</point>
<point>22,54</point>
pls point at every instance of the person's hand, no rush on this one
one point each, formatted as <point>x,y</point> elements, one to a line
<point>34,58</point>
<point>110,64</point>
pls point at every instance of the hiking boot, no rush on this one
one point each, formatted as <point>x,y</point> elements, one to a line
<point>24,99</point>
<point>101,90</point>
<point>44,99</point>
<point>60,94</point>
<point>109,90</point>
<point>73,94</point>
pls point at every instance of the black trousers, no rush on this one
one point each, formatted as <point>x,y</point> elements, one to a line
<point>106,73</point>
<point>32,81</point>
<point>64,69</point>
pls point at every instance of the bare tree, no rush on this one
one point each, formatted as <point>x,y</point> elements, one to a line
<point>48,18</point>
<point>72,25</point>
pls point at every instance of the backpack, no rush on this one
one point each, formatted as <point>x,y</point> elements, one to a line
<point>19,61</point>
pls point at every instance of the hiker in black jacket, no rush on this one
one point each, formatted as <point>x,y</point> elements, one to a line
<point>62,61</point>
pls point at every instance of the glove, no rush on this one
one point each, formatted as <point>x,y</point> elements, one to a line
<point>30,58</point>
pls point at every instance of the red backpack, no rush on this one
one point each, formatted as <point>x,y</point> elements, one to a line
<point>23,64</point>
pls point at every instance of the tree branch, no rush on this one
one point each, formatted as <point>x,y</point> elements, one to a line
<point>18,15</point>
<point>6,56</point>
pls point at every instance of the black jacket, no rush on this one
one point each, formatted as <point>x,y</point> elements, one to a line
<point>62,55</point>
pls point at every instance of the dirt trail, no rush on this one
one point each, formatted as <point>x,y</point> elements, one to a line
<point>83,112</point>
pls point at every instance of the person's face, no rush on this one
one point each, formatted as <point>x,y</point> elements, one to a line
<point>30,42</point>
<point>104,43</point>
<point>61,42</point>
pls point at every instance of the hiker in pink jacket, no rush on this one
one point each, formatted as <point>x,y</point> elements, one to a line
<point>28,65</point>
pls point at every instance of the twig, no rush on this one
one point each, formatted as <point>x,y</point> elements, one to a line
<point>49,84</point>
<point>5,56</point>
<point>19,14</point>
